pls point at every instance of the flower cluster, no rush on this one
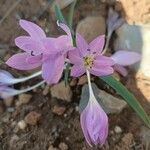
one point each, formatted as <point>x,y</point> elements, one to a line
<point>51,54</point>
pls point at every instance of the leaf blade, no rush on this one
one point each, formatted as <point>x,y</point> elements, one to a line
<point>128,97</point>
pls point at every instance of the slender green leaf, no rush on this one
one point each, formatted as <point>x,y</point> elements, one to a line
<point>66,74</point>
<point>59,15</point>
<point>128,97</point>
<point>70,14</point>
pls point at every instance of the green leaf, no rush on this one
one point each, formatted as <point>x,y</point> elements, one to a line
<point>70,14</point>
<point>128,97</point>
<point>66,74</point>
<point>59,15</point>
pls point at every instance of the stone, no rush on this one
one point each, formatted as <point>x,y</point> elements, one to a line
<point>13,140</point>
<point>91,27</point>
<point>131,7</point>
<point>51,147</point>
<point>117,129</point>
<point>23,99</point>
<point>82,80</point>
<point>63,146</point>
<point>46,90</point>
<point>73,82</point>
<point>135,38</point>
<point>22,124</point>
<point>60,91</point>
<point>145,137</point>
<point>8,102</point>
<point>111,104</point>
<point>59,110</point>
<point>32,118</point>
<point>61,3</point>
<point>1,131</point>
<point>127,139</point>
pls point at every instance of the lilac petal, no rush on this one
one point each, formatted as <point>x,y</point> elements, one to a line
<point>77,70</point>
<point>101,71</point>
<point>97,122</point>
<point>34,30</point>
<point>35,59</point>
<point>29,44</point>
<point>5,77</point>
<point>84,126</point>
<point>19,61</point>
<point>103,61</point>
<point>125,58</point>
<point>6,91</point>
<point>65,28</point>
<point>82,45</point>
<point>74,56</point>
<point>120,69</point>
<point>97,44</point>
<point>52,69</point>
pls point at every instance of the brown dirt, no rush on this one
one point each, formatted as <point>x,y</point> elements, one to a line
<point>53,129</point>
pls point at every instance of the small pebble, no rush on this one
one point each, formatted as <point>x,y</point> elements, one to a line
<point>23,99</point>
<point>59,110</point>
<point>1,131</point>
<point>32,118</point>
<point>10,109</point>
<point>82,80</point>
<point>8,102</point>
<point>22,124</point>
<point>117,129</point>
<point>63,146</point>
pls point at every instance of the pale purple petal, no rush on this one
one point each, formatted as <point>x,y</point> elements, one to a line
<point>101,71</point>
<point>29,44</point>
<point>125,58</point>
<point>34,59</point>
<point>34,30</point>
<point>82,45</point>
<point>19,61</point>
<point>94,123</point>
<point>52,69</point>
<point>65,28</point>
<point>103,61</point>
<point>97,44</point>
<point>5,77</point>
<point>120,69</point>
<point>84,126</point>
<point>77,70</point>
<point>74,56</point>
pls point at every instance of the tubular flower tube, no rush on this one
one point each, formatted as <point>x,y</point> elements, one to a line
<point>124,58</point>
<point>6,91</point>
<point>7,79</point>
<point>94,121</point>
<point>89,57</point>
<point>50,53</point>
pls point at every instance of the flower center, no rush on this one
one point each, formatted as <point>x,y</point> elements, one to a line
<point>88,61</point>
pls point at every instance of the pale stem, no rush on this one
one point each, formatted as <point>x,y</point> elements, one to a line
<point>15,81</point>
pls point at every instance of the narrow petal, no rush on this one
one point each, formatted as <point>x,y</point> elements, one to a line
<point>65,28</point>
<point>103,61</point>
<point>82,45</point>
<point>19,61</point>
<point>34,30</point>
<point>84,126</point>
<point>97,44</point>
<point>77,70</point>
<point>125,58</point>
<point>34,59</point>
<point>52,69</point>
<point>5,77</point>
<point>120,69</point>
<point>101,71</point>
<point>74,56</point>
<point>29,44</point>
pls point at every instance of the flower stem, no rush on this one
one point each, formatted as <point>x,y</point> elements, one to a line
<point>15,81</point>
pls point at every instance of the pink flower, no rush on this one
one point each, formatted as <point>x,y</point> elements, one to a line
<point>94,121</point>
<point>89,57</point>
<point>124,58</point>
<point>41,50</point>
